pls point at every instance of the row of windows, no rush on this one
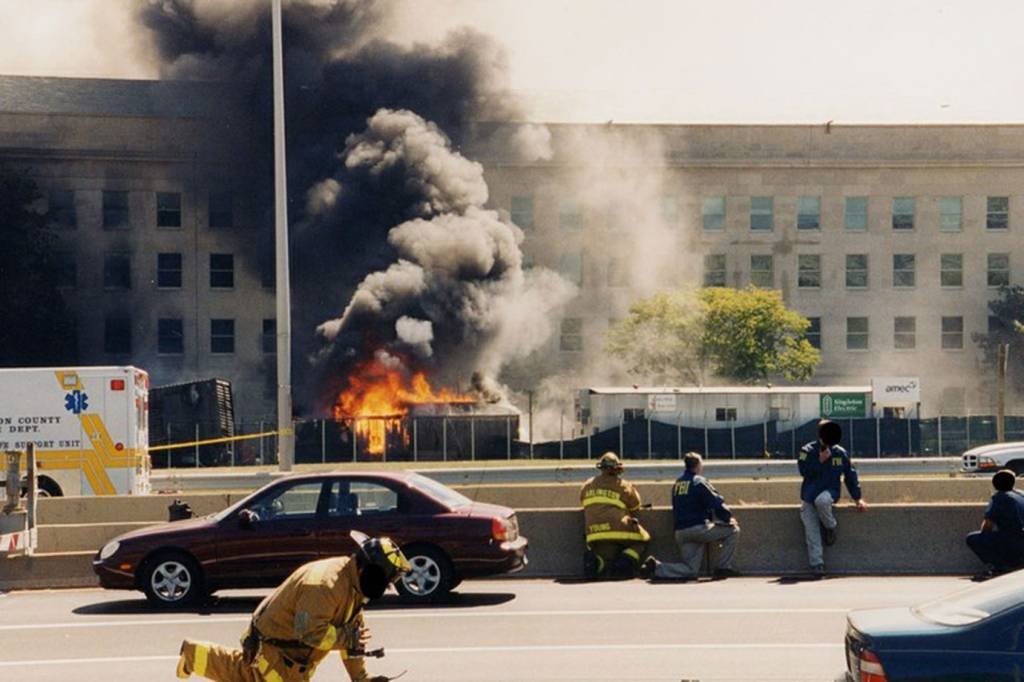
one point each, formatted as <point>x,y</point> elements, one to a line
<point>62,212</point>
<point>857,270</point>
<point>903,213</point>
<point>170,336</point>
<point>117,270</point>
<point>858,332</point>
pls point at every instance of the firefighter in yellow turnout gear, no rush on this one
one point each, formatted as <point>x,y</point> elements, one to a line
<point>316,610</point>
<point>616,542</point>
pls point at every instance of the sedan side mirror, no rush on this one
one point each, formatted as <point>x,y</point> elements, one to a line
<point>247,518</point>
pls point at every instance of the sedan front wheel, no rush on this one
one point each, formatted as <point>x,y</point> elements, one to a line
<point>172,579</point>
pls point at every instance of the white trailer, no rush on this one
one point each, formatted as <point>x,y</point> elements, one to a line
<point>89,426</point>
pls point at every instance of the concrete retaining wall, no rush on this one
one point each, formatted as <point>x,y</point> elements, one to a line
<point>916,539</point>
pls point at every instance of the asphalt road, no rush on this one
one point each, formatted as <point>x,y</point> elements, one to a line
<point>509,630</point>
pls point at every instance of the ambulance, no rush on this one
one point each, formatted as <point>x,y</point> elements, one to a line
<point>89,426</point>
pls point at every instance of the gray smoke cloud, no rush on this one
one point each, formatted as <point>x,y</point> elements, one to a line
<point>392,244</point>
<point>456,298</point>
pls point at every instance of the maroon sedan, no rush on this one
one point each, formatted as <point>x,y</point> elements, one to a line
<point>260,540</point>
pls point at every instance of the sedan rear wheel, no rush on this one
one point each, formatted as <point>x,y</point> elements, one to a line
<point>431,576</point>
<point>172,580</point>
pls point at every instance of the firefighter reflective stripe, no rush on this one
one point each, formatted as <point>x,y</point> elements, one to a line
<point>614,535</point>
<point>598,499</point>
<point>632,553</point>
<point>199,665</point>
<point>330,637</point>
<point>269,675</point>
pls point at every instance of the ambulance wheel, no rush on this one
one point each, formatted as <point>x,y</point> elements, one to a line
<point>47,487</point>
<point>172,579</point>
<point>432,575</point>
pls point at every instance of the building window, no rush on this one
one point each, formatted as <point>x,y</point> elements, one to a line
<point>950,214</point>
<point>903,213</point>
<point>762,271</point>
<point>952,333</point>
<point>808,271</point>
<point>168,270</point>
<point>117,271</point>
<point>571,338</point>
<point>168,209</point>
<point>222,212</point>
<point>61,212</point>
<point>170,336</point>
<point>855,214</point>
<point>222,336</point>
<point>713,213</point>
<point>714,270</point>
<point>570,265</point>
<point>856,333</point>
<point>856,271</point>
<point>998,269</point>
<point>522,211</point>
<point>904,336</point>
<point>669,209</point>
<point>903,269</point>
<point>761,214</point>
<point>725,414</point>
<point>618,272</point>
<point>117,336</point>
<point>951,270</point>
<point>65,269</point>
<point>222,271</point>
<point>814,332</point>
<point>570,215</point>
<point>116,213</point>
<point>808,215</point>
<point>269,338</point>
<point>997,213</point>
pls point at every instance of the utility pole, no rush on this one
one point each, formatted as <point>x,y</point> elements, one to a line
<point>1003,351</point>
<point>285,434</point>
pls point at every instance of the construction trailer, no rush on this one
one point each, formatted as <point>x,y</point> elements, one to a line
<point>192,412</point>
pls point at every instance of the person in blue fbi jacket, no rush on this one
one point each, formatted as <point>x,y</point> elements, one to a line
<point>701,518</point>
<point>824,464</point>
<point>1000,542</point>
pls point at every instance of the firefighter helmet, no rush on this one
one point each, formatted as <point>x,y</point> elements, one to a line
<point>610,462</point>
<point>383,553</point>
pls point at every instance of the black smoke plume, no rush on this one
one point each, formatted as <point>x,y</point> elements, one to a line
<point>365,209</point>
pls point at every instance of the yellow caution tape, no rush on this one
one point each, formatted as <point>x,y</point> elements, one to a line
<point>225,439</point>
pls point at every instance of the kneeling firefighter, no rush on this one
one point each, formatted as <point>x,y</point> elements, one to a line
<point>316,610</point>
<point>615,539</point>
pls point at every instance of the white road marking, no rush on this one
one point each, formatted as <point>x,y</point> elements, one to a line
<point>467,650</point>
<point>421,613</point>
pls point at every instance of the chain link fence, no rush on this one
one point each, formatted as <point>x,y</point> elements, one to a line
<point>468,439</point>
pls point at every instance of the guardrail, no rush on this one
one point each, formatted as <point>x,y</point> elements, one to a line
<point>187,480</point>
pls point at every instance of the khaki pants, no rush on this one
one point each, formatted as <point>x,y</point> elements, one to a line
<point>215,662</point>
<point>691,542</point>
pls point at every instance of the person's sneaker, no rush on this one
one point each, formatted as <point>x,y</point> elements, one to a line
<point>828,535</point>
<point>648,567</point>
<point>818,570</point>
<point>721,573</point>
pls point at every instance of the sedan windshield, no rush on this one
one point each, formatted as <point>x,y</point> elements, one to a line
<point>975,603</point>
<point>438,491</point>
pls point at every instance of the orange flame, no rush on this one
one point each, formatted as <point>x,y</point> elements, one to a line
<point>379,397</point>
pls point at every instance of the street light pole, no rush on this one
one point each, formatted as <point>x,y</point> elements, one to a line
<point>285,434</point>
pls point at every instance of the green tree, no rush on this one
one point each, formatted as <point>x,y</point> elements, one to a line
<point>1007,326</point>
<point>746,336</point>
<point>35,325</point>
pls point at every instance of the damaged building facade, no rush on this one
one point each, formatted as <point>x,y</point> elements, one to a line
<point>891,239</point>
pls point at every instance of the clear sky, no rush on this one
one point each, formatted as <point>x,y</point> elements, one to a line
<point>654,60</point>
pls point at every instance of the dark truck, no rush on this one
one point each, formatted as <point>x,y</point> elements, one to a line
<point>192,411</point>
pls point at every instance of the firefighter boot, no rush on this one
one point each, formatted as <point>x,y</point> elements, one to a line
<point>591,564</point>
